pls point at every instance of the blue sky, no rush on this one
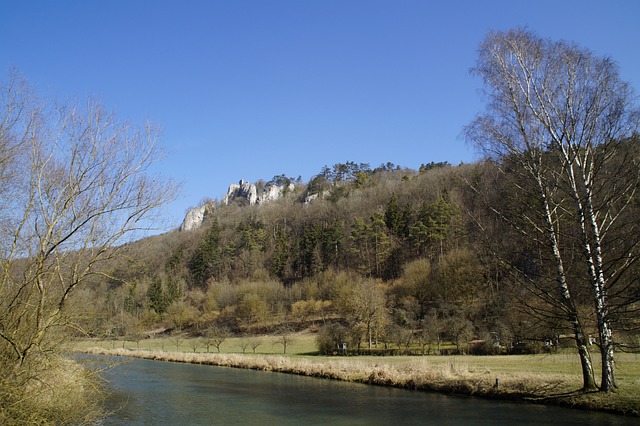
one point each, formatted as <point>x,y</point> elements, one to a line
<point>249,89</point>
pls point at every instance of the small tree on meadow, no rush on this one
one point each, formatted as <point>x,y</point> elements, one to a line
<point>243,343</point>
<point>215,336</point>
<point>254,342</point>
<point>284,338</point>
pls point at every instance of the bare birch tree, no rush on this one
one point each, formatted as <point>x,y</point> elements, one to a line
<point>75,185</point>
<point>562,112</point>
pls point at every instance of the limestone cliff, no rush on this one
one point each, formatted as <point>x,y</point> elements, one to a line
<point>249,193</point>
<point>242,192</point>
<point>195,216</point>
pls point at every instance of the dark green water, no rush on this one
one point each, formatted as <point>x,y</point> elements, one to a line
<point>160,393</point>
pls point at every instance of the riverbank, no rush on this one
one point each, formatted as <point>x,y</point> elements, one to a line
<point>452,375</point>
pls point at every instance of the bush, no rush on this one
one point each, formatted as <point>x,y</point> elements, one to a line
<point>526,348</point>
<point>484,347</point>
<point>330,339</point>
<point>57,391</point>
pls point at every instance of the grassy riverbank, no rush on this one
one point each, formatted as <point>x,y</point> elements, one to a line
<point>550,379</point>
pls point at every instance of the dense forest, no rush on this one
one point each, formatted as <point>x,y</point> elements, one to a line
<point>389,255</point>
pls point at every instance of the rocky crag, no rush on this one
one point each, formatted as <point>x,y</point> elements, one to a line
<point>243,192</point>
<point>195,216</point>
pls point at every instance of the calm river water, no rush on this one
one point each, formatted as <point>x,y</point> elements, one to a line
<point>161,393</point>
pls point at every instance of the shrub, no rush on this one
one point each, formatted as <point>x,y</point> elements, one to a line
<point>55,391</point>
<point>330,338</point>
<point>483,347</point>
<point>523,348</point>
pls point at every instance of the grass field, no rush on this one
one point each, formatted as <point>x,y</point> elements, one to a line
<point>547,378</point>
<point>300,344</point>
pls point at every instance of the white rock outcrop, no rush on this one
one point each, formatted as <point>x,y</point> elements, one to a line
<point>273,193</point>
<point>194,218</point>
<point>249,192</point>
<point>312,197</point>
<point>237,191</point>
<point>243,190</point>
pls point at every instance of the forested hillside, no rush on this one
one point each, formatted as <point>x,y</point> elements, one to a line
<point>533,248</point>
<point>388,255</point>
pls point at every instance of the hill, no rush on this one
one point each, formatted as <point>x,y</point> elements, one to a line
<point>384,256</point>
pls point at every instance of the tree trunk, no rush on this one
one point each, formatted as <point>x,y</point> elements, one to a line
<point>608,382</point>
<point>588,377</point>
<point>592,250</point>
<point>588,380</point>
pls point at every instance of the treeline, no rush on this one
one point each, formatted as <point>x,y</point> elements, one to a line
<point>388,255</point>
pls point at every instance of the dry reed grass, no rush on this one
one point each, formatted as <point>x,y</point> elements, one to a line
<point>545,378</point>
<point>418,374</point>
<point>63,393</point>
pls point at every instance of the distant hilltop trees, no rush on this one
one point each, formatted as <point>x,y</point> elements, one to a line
<point>319,186</point>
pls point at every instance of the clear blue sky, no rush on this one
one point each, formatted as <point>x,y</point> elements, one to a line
<point>254,88</point>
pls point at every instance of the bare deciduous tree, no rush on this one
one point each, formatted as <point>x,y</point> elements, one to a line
<point>215,336</point>
<point>254,342</point>
<point>75,183</point>
<point>365,302</point>
<point>243,343</point>
<point>560,113</point>
<point>285,338</point>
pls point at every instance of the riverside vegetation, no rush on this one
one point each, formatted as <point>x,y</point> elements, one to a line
<point>532,250</point>
<point>541,378</point>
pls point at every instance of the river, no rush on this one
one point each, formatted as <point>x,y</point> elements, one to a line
<point>161,393</point>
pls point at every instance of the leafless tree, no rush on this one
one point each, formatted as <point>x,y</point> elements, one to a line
<point>75,185</point>
<point>177,340</point>
<point>560,113</point>
<point>215,336</point>
<point>285,338</point>
<point>254,342</point>
<point>365,302</point>
<point>243,343</point>
<point>195,344</point>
